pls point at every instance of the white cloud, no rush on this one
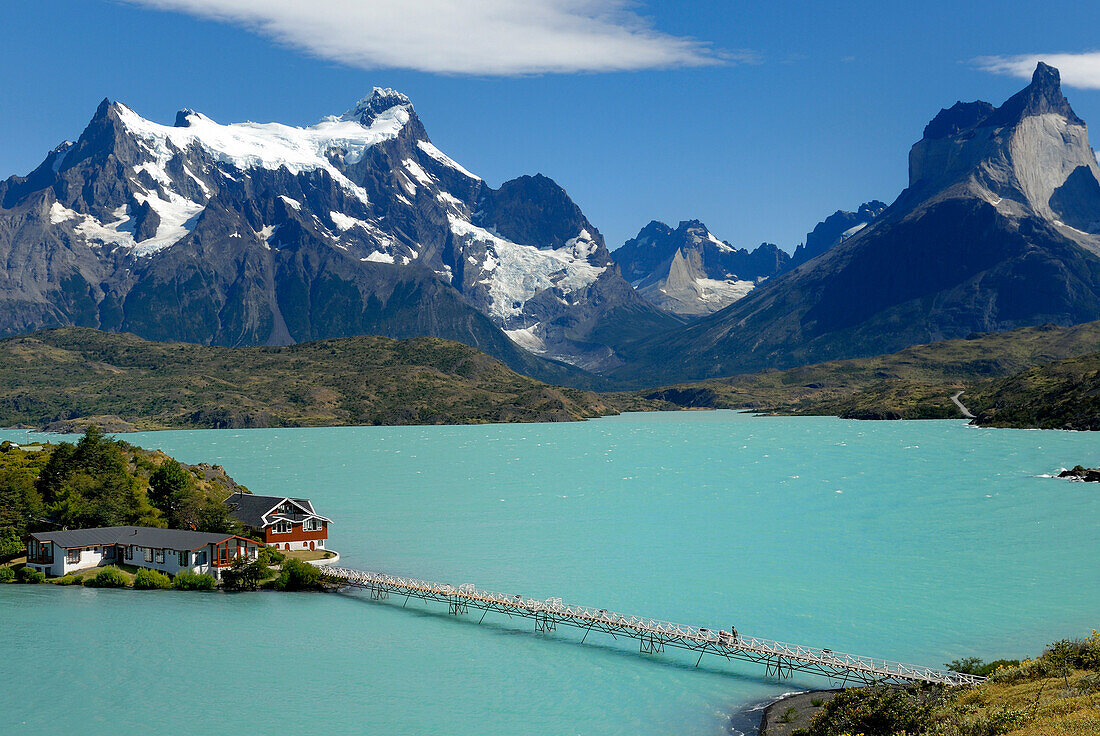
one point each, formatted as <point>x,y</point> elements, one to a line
<point>1078,70</point>
<point>484,37</point>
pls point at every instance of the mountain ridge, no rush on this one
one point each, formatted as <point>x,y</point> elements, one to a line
<point>833,230</point>
<point>972,245</point>
<point>251,233</point>
<point>267,234</point>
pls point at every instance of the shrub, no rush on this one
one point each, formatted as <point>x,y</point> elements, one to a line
<point>1089,684</point>
<point>789,715</point>
<point>975,666</point>
<point>7,575</point>
<point>1059,660</point>
<point>1063,656</point>
<point>30,575</point>
<point>1090,652</point>
<point>244,574</point>
<point>1029,669</point>
<point>188,580</point>
<point>108,577</point>
<point>1002,721</point>
<point>298,575</point>
<point>147,579</point>
<point>817,702</point>
<point>878,711</point>
<point>271,556</point>
<point>68,580</point>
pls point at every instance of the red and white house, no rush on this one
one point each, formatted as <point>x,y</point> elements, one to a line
<point>285,523</point>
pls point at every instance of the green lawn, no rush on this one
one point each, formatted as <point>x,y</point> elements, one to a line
<point>307,555</point>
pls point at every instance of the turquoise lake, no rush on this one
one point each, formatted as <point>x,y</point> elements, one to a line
<point>916,541</point>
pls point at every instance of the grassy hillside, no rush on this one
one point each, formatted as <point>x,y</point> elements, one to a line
<point>67,378</point>
<point>915,383</point>
<point>119,381</point>
<point>1060,395</point>
<point>1055,694</point>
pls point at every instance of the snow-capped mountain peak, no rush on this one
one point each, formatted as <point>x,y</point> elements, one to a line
<point>265,232</point>
<point>380,100</point>
<point>266,145</point>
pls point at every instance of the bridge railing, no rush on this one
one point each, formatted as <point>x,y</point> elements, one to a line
<point>666,630</point>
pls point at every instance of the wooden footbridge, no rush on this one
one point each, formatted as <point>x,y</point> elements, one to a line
<point>780,660</point>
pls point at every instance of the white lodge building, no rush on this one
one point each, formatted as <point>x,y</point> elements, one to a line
<point>168,550</point>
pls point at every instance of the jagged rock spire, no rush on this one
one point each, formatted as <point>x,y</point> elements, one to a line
<point>1042,96</point>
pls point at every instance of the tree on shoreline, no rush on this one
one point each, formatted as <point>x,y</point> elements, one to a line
<point>100,481</point>
<point>90,485</point>
<point>173,490</point>
<point>21,506</point>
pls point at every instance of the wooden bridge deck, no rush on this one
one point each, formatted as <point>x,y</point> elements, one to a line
<point>780,659</point>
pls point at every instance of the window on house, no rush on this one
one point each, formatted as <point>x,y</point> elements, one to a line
<point>185,559</point>
<point>72,556</point>
<point>130,552</point>
<point>283,527</point>
<point>200,558</point>
<point>148,554</point>
<point>313,525</point>
<point>160,557</point>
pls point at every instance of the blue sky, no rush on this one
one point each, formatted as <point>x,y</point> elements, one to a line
<point>757,118</point>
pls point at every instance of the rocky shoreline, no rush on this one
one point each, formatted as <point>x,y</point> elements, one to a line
<point>793,711</point>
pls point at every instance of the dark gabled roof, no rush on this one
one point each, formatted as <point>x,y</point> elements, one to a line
<point>250,509</point>
<point>142,536</point>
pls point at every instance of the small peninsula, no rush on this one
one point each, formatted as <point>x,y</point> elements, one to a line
<point>104,513</point>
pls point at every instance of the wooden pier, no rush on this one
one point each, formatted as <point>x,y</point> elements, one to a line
<point>780,660</point>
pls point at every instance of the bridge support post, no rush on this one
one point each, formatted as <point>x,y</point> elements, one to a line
<point>456,607</point>
<point>779,669</point>
<point>545,622</point>
<point>651,644</point>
